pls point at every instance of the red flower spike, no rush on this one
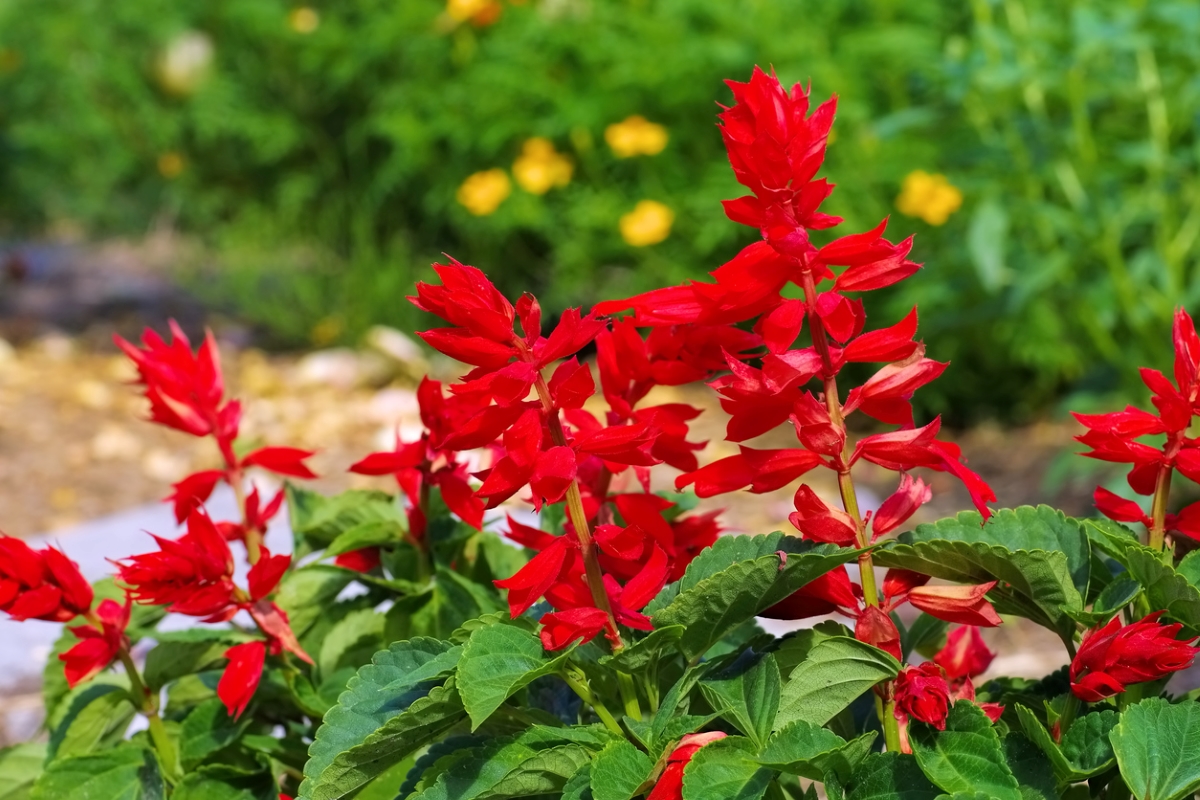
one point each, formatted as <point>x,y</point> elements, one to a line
<point>530,314</point>
<point>192,492</point>
<point>900,506</point>
<point>965,655</point>
<point>780,326</point>
<point>669,785</point>
<point>820,523</point>
<point>282,461</point>
<point>965,605</point>
<point>97,649</point>
<point>474,350</point>
<point>843,318</point>
<point>894,382</point>
<point>571,384</point>
<point>191,575</point>
<point>1187,349</point>
<point>922,693</point>
<point>536,578</point>
<point>241,676</point>
<point>573,333</point>
<point>831,592</point>
<point>266,573</point>
<point>560,628</point>
<point>185,390</point>
<point>467,300</point>
<point>1118,508</point>
<point>885,345</point>
<point>1115,656</point>
<point>874,627</point>
<point>40,584</point>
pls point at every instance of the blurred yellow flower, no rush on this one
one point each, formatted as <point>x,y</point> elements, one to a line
<point>185,63</point>
<point>540,167</point>
<point>171,164</point>
<point>463,10</point>
<point>483,192</point>
<point>648,223</point>
<point>930,197</point>
<point>304,19</point>
<point>635,136</point>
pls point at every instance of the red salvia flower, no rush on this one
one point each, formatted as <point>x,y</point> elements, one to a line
<point>1115,656</point>
<point>669,785</point>
<point>97,648</point>
<point>192,575</point>
<point>922,693</point>
<point>40,584</point>
<point>241,676</point>
<point>965,655</point>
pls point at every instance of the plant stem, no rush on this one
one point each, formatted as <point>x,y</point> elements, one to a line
<point>816,327</point>
<point>891,727</point>
<point>629,695</point>
<point>147,704</point>
<point>1070,712</point>
<point>1158,511</point>
<point>578,683</point>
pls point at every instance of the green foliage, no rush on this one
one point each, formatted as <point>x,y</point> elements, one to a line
<point>322,168</point>
<point>966,757</point>
<point>1157,745</point>
<point>836,671</point>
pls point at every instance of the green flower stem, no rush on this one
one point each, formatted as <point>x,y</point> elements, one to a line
<point>1070,712</point>
<point>1158,511</point>
<point>629,695</point>
<point>891,732</point>
<point>145,702</point>
<point>579,684</point>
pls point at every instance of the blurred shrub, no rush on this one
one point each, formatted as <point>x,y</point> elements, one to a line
<point>327,153</point>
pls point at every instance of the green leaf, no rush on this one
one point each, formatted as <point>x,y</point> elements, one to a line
<point>379,718</point>
<point>208,728</point>
<point>93,715</point>
<point>811,751</point>
<point>1034,774</point>
<point>987,238</point>
<point>670,703</point>
<point>317,521</point>
<point>1040,557</point>
<point>127,772</point>
<point>725,770</point>
<point>746,693</point>
<point>926,635</point>
<point>372,752</point>
<point>369,534</point>
<point>344,645</point>
<point>306,593</point>
<point>1041,737</point>
<point>891,776</point>
<point>619,770</point>
<point>639,655</point>
<point>219,782</point>
<point>836,671</point>
<point>1086,744</point>
<point>20,766</point>
<point>579,785</point>
<point>1165,588</point>
<point>1189,568</point>
<point>791,650</point>
<point>1157,745</point>
<point>188,652</point>
<point>452,601</point>
<point>966,757</point>
<point>539,760</point>
<point>712,606</point>
<point>496,662</point>
<point>1116,595</point>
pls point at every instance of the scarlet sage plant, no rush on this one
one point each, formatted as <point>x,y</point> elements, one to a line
<point>537,605</point>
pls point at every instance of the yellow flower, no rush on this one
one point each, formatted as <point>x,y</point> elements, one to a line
<point>540,167</point>
<point>930,197</point>
<point>463,10</point>
<point>648,223</point>
<point>483,192</point>
<point>185,63</point>
<point>304,19</point>
<point>635,136</point>
<point>171,164</point>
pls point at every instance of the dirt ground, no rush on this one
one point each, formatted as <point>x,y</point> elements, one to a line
<point>74,444</point>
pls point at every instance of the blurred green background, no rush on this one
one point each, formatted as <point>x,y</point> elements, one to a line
<point>319,156</point>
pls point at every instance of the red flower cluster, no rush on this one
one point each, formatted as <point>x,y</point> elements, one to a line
<point>1115,656</point>
<point>669,785</point>
<point>186,391</point>
<point>193,575</point>
<point>927,691</point>
<point>776,149</point>
<point>99,643</point>
<point>428,462</point>
<point>40,584</point>
<point>1114,437</point>
<point>601,573</point>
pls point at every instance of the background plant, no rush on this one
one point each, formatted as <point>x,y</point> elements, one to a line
<point>321,152</point>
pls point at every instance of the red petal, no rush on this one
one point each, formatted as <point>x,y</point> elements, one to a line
<point>281,460</point>
<point>241,676</point>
